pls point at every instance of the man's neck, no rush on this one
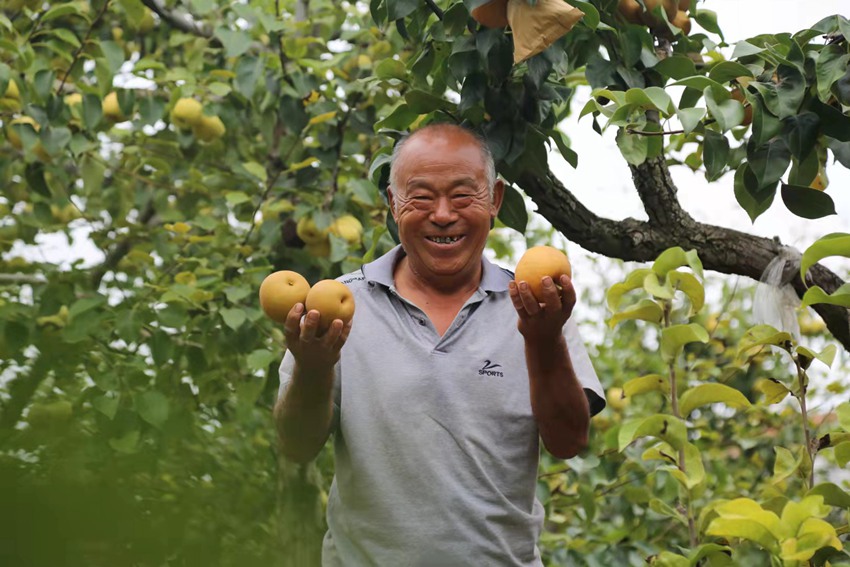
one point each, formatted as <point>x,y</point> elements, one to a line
<point>456,286</point>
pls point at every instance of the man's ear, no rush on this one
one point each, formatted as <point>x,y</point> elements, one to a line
<point>498,195</point>
<point>391,200</point>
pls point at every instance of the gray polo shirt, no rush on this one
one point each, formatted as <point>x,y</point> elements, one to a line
<point>436,448</point>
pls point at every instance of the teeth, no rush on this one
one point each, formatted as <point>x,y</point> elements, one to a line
<point>444,239</point>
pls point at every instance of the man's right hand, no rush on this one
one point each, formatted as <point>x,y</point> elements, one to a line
<point>313,350</point>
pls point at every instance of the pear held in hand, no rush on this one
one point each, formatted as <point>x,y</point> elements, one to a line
<point>279,293</point>
<point>541,261</point>
<point>333,300</point>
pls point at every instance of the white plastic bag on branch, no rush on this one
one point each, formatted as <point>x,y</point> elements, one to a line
<point>776,302</point>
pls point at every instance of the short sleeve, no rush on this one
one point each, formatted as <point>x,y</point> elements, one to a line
<point>584,368</point>
<point>285,371</point>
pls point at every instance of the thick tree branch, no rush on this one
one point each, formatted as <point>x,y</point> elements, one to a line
<point>182,22</point>
<point>720,249</point>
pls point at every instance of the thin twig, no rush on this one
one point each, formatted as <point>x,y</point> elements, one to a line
<point>434,8</point>
<point>82,46</point>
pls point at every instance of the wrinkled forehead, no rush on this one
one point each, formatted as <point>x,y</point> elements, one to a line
<point>453,157</point>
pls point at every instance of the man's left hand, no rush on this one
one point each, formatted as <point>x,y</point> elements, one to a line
<point>543,321</point>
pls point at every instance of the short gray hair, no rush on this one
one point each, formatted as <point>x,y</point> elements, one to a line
<point>486,154</point>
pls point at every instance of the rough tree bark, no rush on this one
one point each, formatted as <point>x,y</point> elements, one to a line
<point>720,249</point>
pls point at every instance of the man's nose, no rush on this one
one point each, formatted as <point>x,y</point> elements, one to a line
<point>443,212</point>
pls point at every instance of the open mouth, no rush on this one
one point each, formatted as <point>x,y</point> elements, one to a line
<point>444,239</point>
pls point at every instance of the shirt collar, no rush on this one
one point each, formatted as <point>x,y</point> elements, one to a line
<point>493,277</point>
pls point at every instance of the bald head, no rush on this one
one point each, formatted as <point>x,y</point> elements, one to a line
<point>438,131</point>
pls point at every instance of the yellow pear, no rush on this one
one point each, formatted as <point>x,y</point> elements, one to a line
<point>111,108</point>
<point>319,249</point>
<point>73,99</point>
<point>333,300</point>
<point>347,227</point>
<point>631,11</point>
<point>617,399</point>
<point>186,113</point>
<point>682,21</point>
<point>280,292</point>
<point>538,262</point>
<point>11,99</point>
<point>209,128</point>
<point>309,232</point>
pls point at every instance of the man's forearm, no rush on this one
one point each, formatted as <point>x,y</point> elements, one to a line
<point>558,401</point>
<point>303,415</point>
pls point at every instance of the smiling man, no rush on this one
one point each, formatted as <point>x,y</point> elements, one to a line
<point>441,388</point>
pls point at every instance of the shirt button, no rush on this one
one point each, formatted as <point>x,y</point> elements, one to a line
<point>422,322</point>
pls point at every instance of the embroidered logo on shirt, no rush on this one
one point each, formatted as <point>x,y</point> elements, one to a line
<point>490,369</point>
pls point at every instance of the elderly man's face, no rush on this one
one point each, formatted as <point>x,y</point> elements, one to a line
<point>443,207</point>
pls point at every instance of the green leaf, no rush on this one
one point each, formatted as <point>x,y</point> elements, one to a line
<point>806,202</point>
<point>235,42</point>
<point>561,141</point>
<point>153,407</point>
<point>398,9</point>
<point>635,148</point>
<point>842,454</point>
<point>801,133</point>
<point>708,21</point>
<point>513,212</point>
<point>237,197</point>
<point>833,495</point>
<point>716,154</point>
<point>391,69</point>
<point>633,281</point>
<point>761,335</point>
<point>785,465</point>
<point>661,426</point>
<point>709,551</point>
<point>399,119</point>
<point>668,559</point>
<point>60,11</point>
<point>701,84</point>
<point>423,102</point>
<point>745,49</point>
<point>654,287</point>
<point>107,405</point>
<point>674,258</point>
<point>690,118</point>
<point>690,286</point>
<point>651,98</point>
<point>675,337</point>
<point>677,67</point>
<point>827,355</point>
<point>831,65</point>
<point>591,14</point>
<point>260,359</point>
<point>644,384</point>
<point>727,111</point>
<point>816,294</point>
<point>768,162</point>
<point>834,244</point>
<point>843,412</point>
<point>752,201</point>
<point>644,310</point>
<point>765,124</point>
<point>705,394</point>
<point>773,390</point>
<point>127,443</point>
<point>726,71</point>
<point>234,318</point>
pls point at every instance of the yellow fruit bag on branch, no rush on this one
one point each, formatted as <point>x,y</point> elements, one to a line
<point>537,27</point>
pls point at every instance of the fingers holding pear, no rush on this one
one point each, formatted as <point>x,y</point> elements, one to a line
<point>539,262</point>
